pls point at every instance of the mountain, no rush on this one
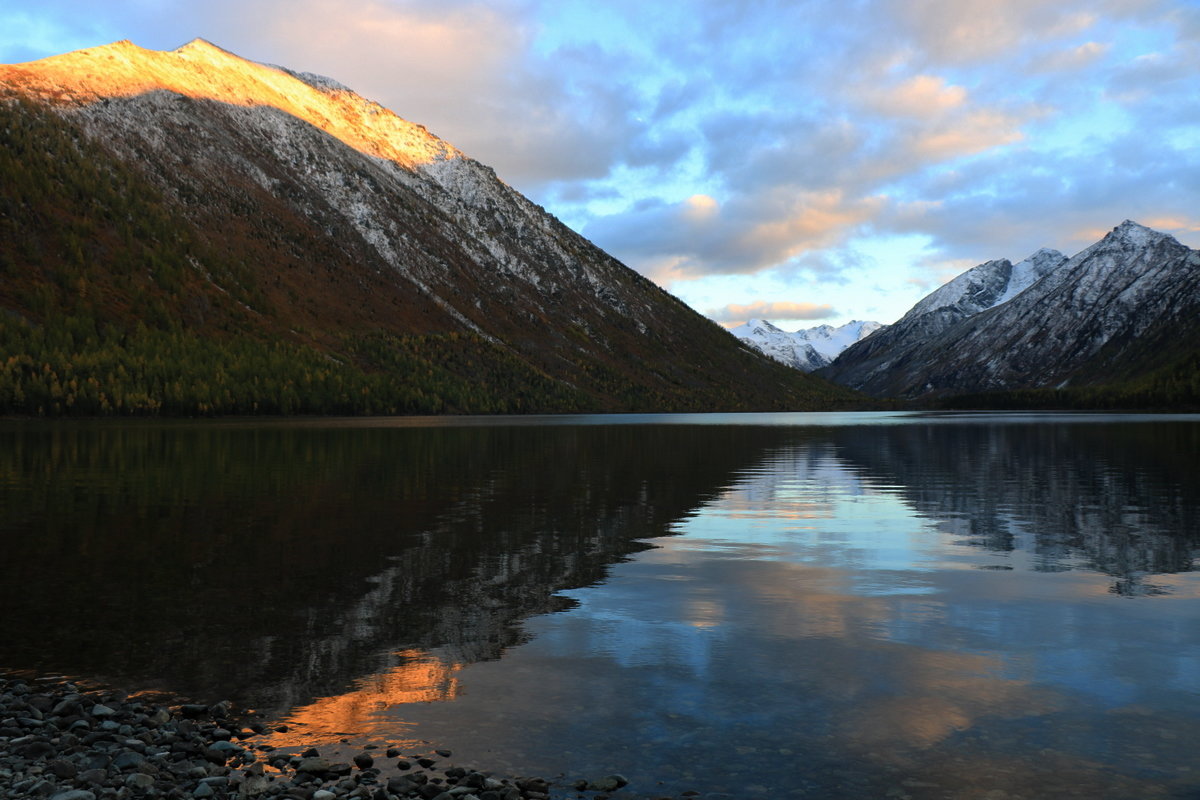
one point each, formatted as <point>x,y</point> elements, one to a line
<point>877,365</point>
<point>192,232</point>
<point>807,349</point>
<point>830,341</point>
<point>779,345</point>
<point>1048,323</point>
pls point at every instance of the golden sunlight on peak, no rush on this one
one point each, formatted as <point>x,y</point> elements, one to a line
<point>198,44</point>
<point>204,71</point>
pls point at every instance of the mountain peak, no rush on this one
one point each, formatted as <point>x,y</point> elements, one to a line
<point>967,293</point>
<point>198,44</point>
<point>1044,254</point>
<point>1134,233</point>
<point>360,262</point>
<point>1055,319</point>
<point>761,323</point>
<point>204,49</point>
<point>1131,225</point>
<point>807,349</point>
<point>1130,238</point>
<point>202,70</point>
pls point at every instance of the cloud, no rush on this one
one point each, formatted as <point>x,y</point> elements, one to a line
<point>469,72</point>
<point>971,31</point>
<point>919,95</point>
<point>697,237</point>
<point>989,209</point>
<point>466,69</point>
<point>1072,58</point>
<point>734,314</point>
<point>698,139</point>
<point>1150,75</point>
<point>972,133</point>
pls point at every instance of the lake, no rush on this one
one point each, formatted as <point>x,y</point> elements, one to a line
<point>777,605</point>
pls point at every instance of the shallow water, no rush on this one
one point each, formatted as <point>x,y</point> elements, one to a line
<point>775,605</point>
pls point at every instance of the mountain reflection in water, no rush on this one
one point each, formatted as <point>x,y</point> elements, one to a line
<point>274,563</point>
<point>929,607</point>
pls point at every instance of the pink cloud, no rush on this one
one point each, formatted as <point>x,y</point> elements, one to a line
<point>734,314</point>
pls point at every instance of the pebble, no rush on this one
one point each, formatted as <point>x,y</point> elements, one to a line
<point>314,764</point>
<point>140,780</point>
<point>74,794</point>
<point>58,742</point>
<point>609,783</point>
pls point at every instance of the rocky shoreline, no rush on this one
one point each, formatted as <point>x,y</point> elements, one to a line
<point>59,741</point>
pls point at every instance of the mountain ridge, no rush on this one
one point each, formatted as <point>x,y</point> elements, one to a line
<point>807,349</point>
<point>340,229</point>
<point>203,70</point>
<point>1054,334</point>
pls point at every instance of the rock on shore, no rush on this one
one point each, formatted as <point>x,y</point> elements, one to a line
<point>59,742</point>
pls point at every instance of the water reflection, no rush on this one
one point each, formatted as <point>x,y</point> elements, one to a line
<point>418,676</point>
<point>945,608</point>
<point>825,628</point>
<point>1118,498</point>
<point>277,563</point>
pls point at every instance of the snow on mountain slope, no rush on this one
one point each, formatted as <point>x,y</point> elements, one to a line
<point>986,286</point>
<point>203,71</point>
<point>871,364</point>
<point>128,95</point>
<point>342,200</point>
<point>830,341</point>
<point>1130,280</point>
<point>976,334</point>
<point>779,345</point>
<point>1030,271</point>
<point>808,349</point>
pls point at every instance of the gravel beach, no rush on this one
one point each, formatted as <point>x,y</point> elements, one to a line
<point>62,741</point>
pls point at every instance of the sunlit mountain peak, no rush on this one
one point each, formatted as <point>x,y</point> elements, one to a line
<point>203,71</point>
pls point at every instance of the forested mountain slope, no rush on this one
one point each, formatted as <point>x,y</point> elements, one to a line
<point>189,232</point>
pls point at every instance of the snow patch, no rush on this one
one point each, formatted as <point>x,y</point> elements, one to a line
<point>1028,272</point>
<point>807,349</point>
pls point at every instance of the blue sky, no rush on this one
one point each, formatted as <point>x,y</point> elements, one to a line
<point>806,162</point>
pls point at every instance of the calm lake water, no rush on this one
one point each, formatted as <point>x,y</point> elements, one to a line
<point>774,606</point>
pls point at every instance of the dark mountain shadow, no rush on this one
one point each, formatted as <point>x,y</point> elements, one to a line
<point>273,564</point>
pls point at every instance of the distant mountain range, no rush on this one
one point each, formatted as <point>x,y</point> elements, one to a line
<point>1118,324</point>
<point>807,349</point>
<point>191,232</point>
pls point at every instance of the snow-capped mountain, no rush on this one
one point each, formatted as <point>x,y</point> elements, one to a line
<point>985,286</point>
<point>343,219</point>
<point>806,350</point>
<point>830,341</point>
<point>869,365</point>
<point>1040,323</point>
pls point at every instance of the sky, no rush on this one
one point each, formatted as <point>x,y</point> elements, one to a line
<point>804,162</point>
